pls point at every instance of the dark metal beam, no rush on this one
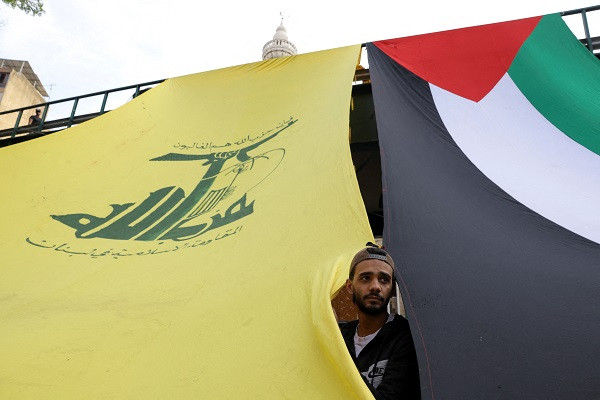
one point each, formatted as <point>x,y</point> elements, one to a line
<point>104,92</point>
<point>580,10</point>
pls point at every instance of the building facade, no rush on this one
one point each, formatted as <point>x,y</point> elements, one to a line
<point>19,87</point>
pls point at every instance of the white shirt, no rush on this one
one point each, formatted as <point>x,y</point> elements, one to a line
<point>361,341</point>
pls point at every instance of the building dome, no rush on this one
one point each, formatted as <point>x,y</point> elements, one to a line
<point>280,46</point>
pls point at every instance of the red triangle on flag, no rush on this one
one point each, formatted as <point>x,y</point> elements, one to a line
<point>468,61</point>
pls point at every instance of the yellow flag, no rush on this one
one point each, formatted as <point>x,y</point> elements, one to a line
<point>186,245</point>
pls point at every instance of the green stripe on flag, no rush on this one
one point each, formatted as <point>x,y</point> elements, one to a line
<point>561,78</point>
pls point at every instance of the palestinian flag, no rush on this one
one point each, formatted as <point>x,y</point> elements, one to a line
<point>490,143</point>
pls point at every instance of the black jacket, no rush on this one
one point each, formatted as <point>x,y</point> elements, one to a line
<point>392,354</point>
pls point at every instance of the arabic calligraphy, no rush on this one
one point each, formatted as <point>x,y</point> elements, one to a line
<point>160,248</point>
<point>210,145</point>
<point>169,214</point>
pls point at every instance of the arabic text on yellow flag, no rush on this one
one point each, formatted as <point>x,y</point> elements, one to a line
<point>186,244</point>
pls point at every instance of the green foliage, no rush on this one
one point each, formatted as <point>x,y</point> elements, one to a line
<point>35,7</point>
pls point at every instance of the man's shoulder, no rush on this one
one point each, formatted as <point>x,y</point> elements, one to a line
<point>399,323</point>
<point>399,320</point>
<point>348,326</point>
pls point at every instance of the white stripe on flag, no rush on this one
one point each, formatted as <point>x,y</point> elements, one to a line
<point>525,155</point>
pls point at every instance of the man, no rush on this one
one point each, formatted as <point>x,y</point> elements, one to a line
<point>380,344</point>
<point>35,119</point>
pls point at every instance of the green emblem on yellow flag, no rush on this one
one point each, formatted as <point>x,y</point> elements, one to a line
<point>168,214</point>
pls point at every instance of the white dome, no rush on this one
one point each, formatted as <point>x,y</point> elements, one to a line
<point>281,33</point>
<point>280,46</point>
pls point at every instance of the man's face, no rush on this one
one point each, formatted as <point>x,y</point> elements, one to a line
<point>371,286</point>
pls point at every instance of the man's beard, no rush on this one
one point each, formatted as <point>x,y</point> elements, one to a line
<point>371,309</point>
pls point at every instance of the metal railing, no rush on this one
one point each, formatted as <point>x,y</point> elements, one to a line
<point>586,28</point>
<point>38,128</point>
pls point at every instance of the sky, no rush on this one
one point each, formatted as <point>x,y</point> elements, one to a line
<point>79,47</point>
